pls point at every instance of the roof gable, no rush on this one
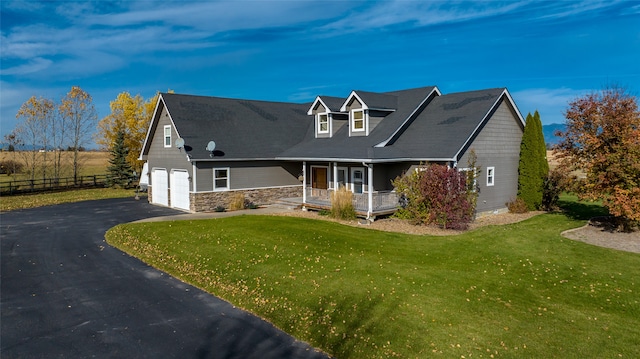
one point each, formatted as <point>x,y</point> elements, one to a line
<point>372,101</point>
<point>331,104</point>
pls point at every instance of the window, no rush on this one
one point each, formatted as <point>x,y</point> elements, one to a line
<point>491,176</point>
<point>167,136</point>
<point>469,175</point>
<point>357,176</point>
<point>220,179</point>
<point>323,123</point>
<point>357,120</point>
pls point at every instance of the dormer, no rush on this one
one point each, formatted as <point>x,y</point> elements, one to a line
<point>326,116</point>
<point>366,110</point>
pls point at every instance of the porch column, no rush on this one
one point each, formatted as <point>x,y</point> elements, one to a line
<point>335,176</point>
<point>304,183</point>
<point>370,192</point>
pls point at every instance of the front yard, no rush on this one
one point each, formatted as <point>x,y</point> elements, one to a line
<point>518,290</point>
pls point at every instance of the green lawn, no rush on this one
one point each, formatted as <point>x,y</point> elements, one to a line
<point>515,291</point>
<point>10,203</point>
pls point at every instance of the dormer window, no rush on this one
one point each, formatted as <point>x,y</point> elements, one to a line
<point>357,120</point>
<point>323,123</point>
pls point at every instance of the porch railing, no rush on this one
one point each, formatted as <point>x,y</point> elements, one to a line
<point>382,200</point>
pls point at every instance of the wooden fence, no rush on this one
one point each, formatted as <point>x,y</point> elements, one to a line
<point>52,184</point>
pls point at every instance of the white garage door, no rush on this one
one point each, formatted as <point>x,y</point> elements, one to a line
<point>180,189</point>
<point>159,186</point>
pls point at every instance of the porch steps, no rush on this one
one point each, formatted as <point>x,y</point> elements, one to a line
<point>288,203</point>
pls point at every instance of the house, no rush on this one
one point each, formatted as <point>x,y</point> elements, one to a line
<point>201,150</point>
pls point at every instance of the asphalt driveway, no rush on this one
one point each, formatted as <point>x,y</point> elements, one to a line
<point>66,293</point>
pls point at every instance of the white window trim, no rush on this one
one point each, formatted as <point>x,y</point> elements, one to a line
<point>365,120</point>
<point>352,182</point>
<point>220,189</point>
<point>164,136</point>
<point>491,176</point>
<point>328,130</point>
<point>475,175</point>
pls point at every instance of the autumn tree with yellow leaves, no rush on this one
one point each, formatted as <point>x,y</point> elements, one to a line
<point>130,115</point>
<point>602,139</point>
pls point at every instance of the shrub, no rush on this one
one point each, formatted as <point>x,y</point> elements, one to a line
<point>517,206</point>
<point>237,201</point>
<point>10,167</point>
<point>342,204</point>
<point>555,183</point>
<point>219,209</point>
<point>412,203</point>
<point>249,205</point>
<point>446,192</point>
<point>437,195</point>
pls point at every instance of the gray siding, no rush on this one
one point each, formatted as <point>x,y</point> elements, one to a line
<point>250,175</point>
<point>497,145</point>
<point>169,157</point>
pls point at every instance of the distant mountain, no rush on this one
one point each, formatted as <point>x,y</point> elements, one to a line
<point>549,133</point>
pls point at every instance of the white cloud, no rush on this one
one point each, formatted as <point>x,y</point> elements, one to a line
<point>34,65</point>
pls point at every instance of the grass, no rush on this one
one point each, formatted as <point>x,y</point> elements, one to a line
<point>517,290</point>
<point>11,203</point>
<point>91,163</point>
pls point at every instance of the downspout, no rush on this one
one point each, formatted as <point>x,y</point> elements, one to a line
<point>194,171</point>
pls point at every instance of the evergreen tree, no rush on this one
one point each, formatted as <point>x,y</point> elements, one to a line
<point>120,171</point>
<point>533,167</point>
<point>541,146</point>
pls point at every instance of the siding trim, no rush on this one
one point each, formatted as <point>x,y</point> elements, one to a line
<point>249,188</point>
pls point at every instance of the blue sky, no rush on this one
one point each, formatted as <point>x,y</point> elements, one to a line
<point>546,53</point>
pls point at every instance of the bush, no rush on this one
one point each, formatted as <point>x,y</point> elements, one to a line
<point>10,167</point>
<point>557,181</point>
<point>517,206</point>
<point>437,195</point>
<point>237,201</point>
<point>249,205</point>
<point>412,202</point>
<point>342,204</point>
<point>448,199</point>
<point>219,209</point>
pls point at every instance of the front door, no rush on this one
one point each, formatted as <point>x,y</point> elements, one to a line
<point>319,177</point>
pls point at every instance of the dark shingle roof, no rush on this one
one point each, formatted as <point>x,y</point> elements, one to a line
<point>377,100</point>
<point>442,128</point>
<point>242,129</point>
<point>333,103</point>
<point>340,145</point>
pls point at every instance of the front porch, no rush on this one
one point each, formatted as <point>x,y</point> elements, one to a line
<point>382,202</point>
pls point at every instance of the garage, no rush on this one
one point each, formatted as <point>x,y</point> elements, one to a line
<point>180,189</point>
<point>159,187</point>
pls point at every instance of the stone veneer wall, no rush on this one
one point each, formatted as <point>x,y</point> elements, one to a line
<point>207,202</point>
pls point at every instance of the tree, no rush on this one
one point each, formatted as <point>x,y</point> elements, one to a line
<point>34,130</point>
<point>120,172</point>
<point>131,115</point>
<point>602,139</point>
<point>533,167</point>
<point>78,112</point>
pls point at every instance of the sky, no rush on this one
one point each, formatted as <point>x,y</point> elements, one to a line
<point>546,53</point>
